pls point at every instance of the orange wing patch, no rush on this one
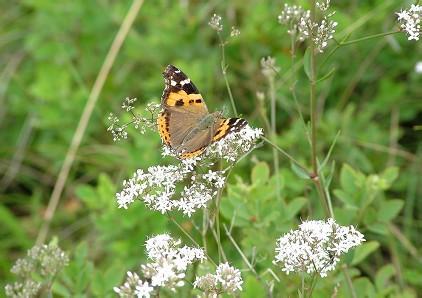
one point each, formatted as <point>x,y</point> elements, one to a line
<point>163,127</point>
<point>222,131</point>
<point>227,126</point>
<point>195,153</point>
<point>181,98</point>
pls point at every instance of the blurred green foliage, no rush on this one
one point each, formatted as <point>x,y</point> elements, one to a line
<point>51,52</point>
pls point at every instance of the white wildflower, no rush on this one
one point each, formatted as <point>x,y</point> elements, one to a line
<point>316,246</point>
<point>229,277</point>
<point>269,67</point>
<point>215,23</point>
<point>128,104</point>
<point>134,286</point>
<point>300,24</point>
<point>226,279</point>
<point>323,5</point>
<point>166,267</point>
<point>418,67</point>
<point>410,21</point>
<point>234,32</point>
<point>157,188</point>
<point>235,144</point>
<point>169,261</point>
<point>143,290</point>
<point>290,16</point>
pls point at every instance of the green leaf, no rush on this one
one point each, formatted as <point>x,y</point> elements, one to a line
<point>253,288</point>
<point>348,178</point>
<point>307,63</point>
<point>301,173</point>
<point>260,173</point>
<point>363,251</point>
<point>390,174</point>
<point>327,75</point>
<point>390,209</point>
<point>294,207</point>
<point>363,288</point>
<point>383,275</point>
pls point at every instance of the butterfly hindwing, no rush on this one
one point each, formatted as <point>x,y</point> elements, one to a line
<point>226,126</point>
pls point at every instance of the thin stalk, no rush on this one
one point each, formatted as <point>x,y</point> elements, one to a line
<point>291,158</point>
<point>224,67</point>
<point>85,117</point>
<point>325,199</point>
<point>349,282</point>
<point>312,99</point>
<point>190,237</point>
<point>276,162</point>
<point>346,43</point>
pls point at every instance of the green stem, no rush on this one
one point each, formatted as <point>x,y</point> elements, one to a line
<point>274,136</point>
<point>291,158</point>
<point>313,99</point>
<point>346,43</point>
<point>224,72</point>
<point>190,237</point>
<point>349,282</point>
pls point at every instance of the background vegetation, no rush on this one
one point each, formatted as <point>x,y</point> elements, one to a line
<point>51,53</point>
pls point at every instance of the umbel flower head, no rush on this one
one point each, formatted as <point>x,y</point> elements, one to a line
<point>316,246</point>
<point>157,186</point>
<point>43,260</point>
<point>410,21</point>
<point>226,279</point>
<point>166,269</point>
<point>302,27</point>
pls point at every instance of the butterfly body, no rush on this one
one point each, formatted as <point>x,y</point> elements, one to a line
<point>185,125</point>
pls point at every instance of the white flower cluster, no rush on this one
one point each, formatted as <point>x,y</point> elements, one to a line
<point>234,145</point>
<point>316,246</point>
<point>116,130</point>
<point>290,16</point>
<point>410,21</point>
<point>226,279</point>
<point>301,26</point>
<point>140,122</point>
<point>157,188</point>
<point>323,5</point>
<point>42,260</point>
<point>269,67</point>
<point>127,104</point>
<point>215,23</point>
<point>235,32</point>
<point>134,286</point>
<point>166,269</point>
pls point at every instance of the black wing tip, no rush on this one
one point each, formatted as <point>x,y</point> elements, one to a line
<point>236,124</point>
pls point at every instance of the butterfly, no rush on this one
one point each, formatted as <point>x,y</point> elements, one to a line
<point>185,125</point>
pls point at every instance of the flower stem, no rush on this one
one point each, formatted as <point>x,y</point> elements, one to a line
<point>345,43</point>
<point>349,282</point>
<point>274,136</point>
<point>224,72</point>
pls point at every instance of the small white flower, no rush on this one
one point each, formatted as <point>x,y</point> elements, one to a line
<point>226,279</point>
<point>229,277</point>
<point>215,23</point>
<point>323,5</point>
<point>316,246</point>
<point>234,32</point>
<point>418,67</point>
<point>235,144</point>
<point>299,24</point>
<point>410,21</point>
<point>143,290</point>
